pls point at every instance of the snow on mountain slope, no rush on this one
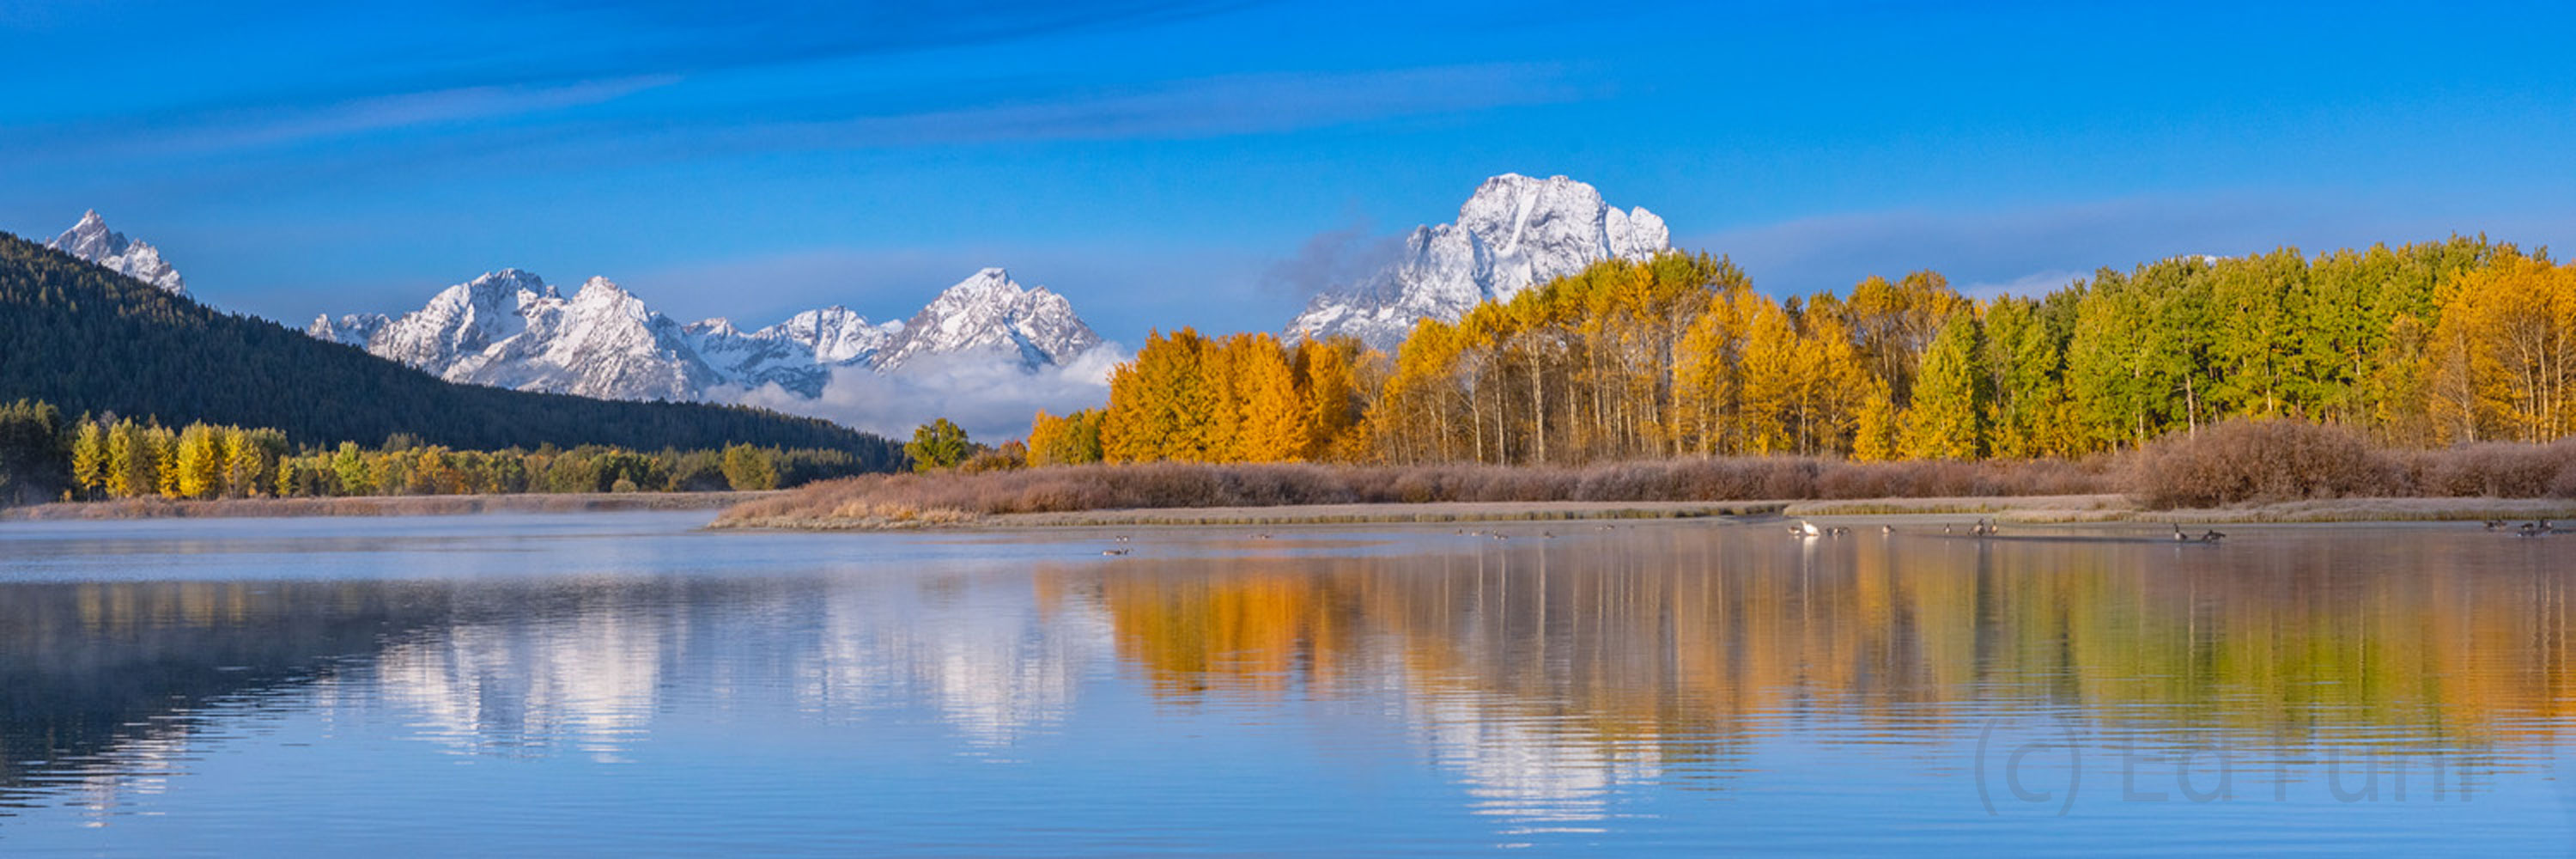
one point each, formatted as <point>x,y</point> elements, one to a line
<point>1515,231</point>
<point>509,329</point>
<point>93,241</point>
<point>990,312</point>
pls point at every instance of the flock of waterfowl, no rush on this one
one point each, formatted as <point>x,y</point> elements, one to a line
<point>1980,528</point>
<point>1804,529</point>
<point>2538,528</point>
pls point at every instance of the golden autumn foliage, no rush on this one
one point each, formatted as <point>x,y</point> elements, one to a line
<point>2504,353</point>
<point>1239,398</point>
<point>1073,439</point>
<point>2442,342</point>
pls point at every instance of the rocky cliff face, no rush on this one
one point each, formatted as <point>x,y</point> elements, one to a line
<point>93,241</point>
<point>1515,231</point>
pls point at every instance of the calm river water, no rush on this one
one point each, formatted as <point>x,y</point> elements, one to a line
<point>626,683</point>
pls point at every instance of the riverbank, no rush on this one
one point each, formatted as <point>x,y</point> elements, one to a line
<point>396,505</point>
<point>2017,510</point>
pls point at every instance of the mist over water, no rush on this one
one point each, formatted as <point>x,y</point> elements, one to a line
<point>623,682</point>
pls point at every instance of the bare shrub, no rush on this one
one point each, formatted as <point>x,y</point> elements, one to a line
<point>2262,461</point>
<point>2495,470</point>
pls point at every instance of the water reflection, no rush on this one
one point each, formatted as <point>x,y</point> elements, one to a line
<point>1547,677</point>
<point>1554,685</point>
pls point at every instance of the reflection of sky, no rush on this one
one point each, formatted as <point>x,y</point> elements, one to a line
<point>960,703</point>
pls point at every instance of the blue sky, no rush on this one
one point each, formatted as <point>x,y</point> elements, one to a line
<point>1168,163</point>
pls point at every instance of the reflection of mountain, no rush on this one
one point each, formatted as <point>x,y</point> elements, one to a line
<point>100,679</point>
<point>527,672</point>
<point>93,671</point>
<point>1551,681</point>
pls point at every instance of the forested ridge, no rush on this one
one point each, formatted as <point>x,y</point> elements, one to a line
<point>90,341</point>
<point>2439,343</point>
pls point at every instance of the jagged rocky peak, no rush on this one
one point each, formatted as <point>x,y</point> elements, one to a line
<point>509,329</point>
<point>989,311</point>
<point>1513,232</point>
<point>91,240</point>
<point>836,334</point>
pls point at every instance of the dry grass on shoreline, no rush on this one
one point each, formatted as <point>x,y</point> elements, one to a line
<point>396,505</point>
<point>2245,471</point>
<point>918,500</point>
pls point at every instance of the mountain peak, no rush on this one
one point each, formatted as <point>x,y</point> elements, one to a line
<point>1512,232</point>
<point>91,240</point>
<point>989,311</point>
<point>983,281</point>
<point>508,328</point>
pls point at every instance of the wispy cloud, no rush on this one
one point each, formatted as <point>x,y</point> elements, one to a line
<point>1203,107</point>
<point>288,125</point>
<point>1333,260</point>
<point>683,37</point>
<point>992,399</point>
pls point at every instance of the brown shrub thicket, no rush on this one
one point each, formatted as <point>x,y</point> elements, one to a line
<point>2238,462</point>
<point>1171,484</point>
<point>2258,461</point>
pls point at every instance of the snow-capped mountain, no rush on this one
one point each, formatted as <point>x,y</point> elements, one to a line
<point>93,241</point>
<point>1513,232</point>
<point>509,329</point>
<point>990,312</point>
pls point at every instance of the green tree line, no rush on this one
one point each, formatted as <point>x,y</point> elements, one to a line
<point>43,457</point>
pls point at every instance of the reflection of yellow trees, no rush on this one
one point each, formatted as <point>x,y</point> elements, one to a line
<point>1249,633</point>
<point>1700,632</point>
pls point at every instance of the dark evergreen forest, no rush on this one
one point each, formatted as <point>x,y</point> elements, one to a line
<point>91,341</point>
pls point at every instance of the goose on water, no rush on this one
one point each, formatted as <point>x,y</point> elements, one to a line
<point>1809,529</point>
<point>2212,537</point>
<point>2179,536</point>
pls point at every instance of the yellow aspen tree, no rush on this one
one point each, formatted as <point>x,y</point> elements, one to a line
<point>1775,380</point>
<point>1332,396</point>
<point>165,461</point>
<point>1706,383</point>
<point>1276,425</point>
<point>2504,353</point>
<point>90,457</point>
<point>200,462</point>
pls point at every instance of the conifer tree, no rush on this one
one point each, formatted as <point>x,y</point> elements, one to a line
<point>1875,432</point>
<point>1948,417</point>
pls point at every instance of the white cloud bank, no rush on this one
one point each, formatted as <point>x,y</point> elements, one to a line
<point>990,396</point>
